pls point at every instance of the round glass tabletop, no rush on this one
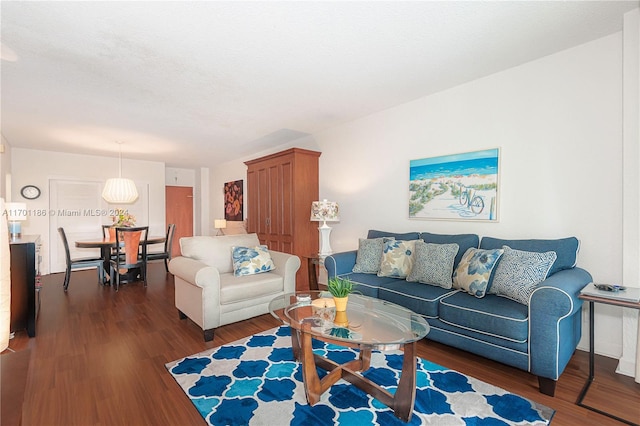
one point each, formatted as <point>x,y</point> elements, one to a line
<point>367,321</point>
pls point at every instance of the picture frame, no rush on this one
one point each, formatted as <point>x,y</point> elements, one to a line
<point>456,187</point>
<point>233,200</point>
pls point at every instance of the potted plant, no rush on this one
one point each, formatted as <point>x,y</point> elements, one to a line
<point>340,288</point>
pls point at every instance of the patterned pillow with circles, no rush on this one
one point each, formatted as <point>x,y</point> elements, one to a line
<point>433,264</point>
<point>519,272</point>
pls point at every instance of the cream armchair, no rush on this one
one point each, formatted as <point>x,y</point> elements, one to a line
<point>207,292</point>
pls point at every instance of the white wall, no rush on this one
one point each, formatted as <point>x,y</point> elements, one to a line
<point>558,122</point>
<point>37,167</point>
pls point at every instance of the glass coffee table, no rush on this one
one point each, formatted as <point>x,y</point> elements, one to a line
<point>367,324</point>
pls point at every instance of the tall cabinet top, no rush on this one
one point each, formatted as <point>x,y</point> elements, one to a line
<point>282,154</point>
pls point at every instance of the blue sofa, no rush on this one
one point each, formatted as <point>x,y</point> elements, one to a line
<point>539,337</point>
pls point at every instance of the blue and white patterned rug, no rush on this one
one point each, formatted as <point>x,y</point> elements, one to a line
<point>256,381</point>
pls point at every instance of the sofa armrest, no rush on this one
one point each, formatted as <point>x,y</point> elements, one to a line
<point>555,325</point>
<point>286,265</point>
<point>194,272</point>
<point>340,263</point>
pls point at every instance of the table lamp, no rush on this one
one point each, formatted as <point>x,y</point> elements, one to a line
<point>220,225</point>
<point>16,214</point>
<point>324,211</point>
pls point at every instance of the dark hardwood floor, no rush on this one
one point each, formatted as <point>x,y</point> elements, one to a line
<point>98,359</point>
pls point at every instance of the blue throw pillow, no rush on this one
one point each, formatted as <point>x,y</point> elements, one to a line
<point>464,242</point>
<point>566,249</point>
<point>519,272</point>
<point>473,273</point>
<point>251,260</point>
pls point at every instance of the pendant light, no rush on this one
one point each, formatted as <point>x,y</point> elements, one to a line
<point>120,190</point>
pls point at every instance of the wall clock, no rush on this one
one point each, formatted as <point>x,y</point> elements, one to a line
<point>30,192</point>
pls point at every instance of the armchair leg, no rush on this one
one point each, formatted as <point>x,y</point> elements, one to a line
<point>547,386</point>
<point>208,334</point>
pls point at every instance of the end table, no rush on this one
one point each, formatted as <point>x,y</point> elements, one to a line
<point>591,295</point>
<point>313,261</point>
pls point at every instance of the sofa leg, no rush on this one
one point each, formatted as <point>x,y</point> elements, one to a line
<point>181,315</point>
<point>547,386</point>
<point>208,334</point>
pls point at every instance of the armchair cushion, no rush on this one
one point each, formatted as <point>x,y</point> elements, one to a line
<point>216,251</point>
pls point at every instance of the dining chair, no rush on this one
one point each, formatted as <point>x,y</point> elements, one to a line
<point>131,253</point>
<point>79,263</point>
<point>168,244</point>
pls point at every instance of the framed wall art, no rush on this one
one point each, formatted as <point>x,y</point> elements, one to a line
<point>233,201</point>
<point>455,187</point>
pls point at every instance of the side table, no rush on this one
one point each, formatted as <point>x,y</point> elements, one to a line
<point>313,261</point>
<point>591,295</point>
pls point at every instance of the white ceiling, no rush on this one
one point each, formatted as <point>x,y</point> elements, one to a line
<point>198,83</point>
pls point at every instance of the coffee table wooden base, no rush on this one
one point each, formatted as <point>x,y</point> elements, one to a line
<point>402,402</point>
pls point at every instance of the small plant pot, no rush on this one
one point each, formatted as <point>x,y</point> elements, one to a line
<point>341,319</point>
<point>341,303</point>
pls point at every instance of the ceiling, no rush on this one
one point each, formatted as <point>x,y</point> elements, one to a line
<point>195,84</point>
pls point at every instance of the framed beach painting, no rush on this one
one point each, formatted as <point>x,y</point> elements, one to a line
<point>455,187</point>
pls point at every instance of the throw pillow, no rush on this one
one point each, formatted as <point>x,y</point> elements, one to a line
<point>369,255</point>
<point>397,258</point>
<point>474,270</point>
<point>251,260</point>
<point>519,272</point>
<point>433,264</point>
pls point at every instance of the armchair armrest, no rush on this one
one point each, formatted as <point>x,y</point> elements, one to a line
<point>555,321</point>
<point>286,265</point>
<point>194,272</point>
<point>340,263</point>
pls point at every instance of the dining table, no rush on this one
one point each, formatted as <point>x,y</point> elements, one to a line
<point>106,244</point>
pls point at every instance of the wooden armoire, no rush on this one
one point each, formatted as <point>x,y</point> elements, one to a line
<point>280,190</point>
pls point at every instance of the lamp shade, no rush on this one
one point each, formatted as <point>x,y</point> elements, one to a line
<point>119,190</point>
<point>220,223</point>
<point>324,211</point>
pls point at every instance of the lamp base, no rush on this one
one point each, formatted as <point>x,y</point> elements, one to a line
<point>15,230</point>
<point>325,244</point>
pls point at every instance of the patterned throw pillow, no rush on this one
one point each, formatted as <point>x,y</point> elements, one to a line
<point>474,270</point>
<point>433,264</point>
<point>519,272</point>
<point>251,260</point>
<point>397,258</point>
<point>369,255</point>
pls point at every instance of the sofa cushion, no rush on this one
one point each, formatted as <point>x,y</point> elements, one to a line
<point>369,255</point>
<point>474,271</point>
<point>464,242</point>
<point>519,272</point>
<point>216,251</point>
<point>367,284</point>
<point>566,249</point>
<point>397,258</point>
<point>405,237</point>
<point>251,260</point>
<point>493,315</point>
<point>421,299</point>
<point>433,264</point>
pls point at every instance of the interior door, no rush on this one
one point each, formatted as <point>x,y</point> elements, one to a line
<point>179,210</point>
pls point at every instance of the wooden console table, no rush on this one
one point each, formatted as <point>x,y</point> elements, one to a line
<point>25,283</point>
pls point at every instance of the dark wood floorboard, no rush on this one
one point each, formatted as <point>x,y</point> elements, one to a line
<point>98,359</point>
